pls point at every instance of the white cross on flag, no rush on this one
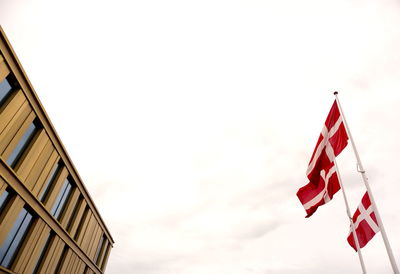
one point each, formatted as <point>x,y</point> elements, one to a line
<point>321,170</point>
<point>365,223</point>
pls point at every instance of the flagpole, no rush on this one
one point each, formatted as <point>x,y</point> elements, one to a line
<point>351,220</point>
<point>360,169</point>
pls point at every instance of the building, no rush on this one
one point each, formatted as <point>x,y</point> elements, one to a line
<point>48,221</point>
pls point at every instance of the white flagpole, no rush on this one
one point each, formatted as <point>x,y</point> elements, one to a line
<point>353,231</point>
<point>365,179</point>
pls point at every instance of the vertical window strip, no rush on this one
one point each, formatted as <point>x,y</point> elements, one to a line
<point>5,90</point>
<point>54,173</point>
<point>15,238</point>
<point>22,144</point>
<point>5,196</point>
<point>61,199</point>
<point>43,252</point>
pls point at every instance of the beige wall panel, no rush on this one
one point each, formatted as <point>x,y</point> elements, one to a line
<point>57,186</point>
<point>82,233</point>
<point>92,238</point>
<point>89,234</point>
<point>31,247</point>
<point>52,256</point>
<point>15,106</point>
<point>15,139</point>
<point>39,165</point>
<point>77,266</point>
<point>31,264</point>
<point>102,252</point>
<point>86,235</point>
<point>4,70</point>
<point>71,263</point>
<point>78,218</point>
<point>9,216</point>
<point>26,165</point>
<point>44,173</point>
<point>57,259</point>
<point>3,185</point>
<point>81,267</point>
<point>48,256</point>
<point>95,242</point>
<point>69,207</point>
<point>65,262</point>
<point>12,126</point>
<point>105,258</point>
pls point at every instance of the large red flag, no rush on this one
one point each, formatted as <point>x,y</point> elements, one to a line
<point>365,223</point>
<point>321,170</point>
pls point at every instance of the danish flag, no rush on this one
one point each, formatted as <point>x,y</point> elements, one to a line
<point>365,223</point>
<point>321,172</point>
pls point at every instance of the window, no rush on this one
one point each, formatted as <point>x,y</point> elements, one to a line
<point>61,199</point>
<point>53,175</point>
<point>15,238</point>
<point>4,197</point>
<point>5,90</point>
<point>22,144</point>
<point>7,86</point>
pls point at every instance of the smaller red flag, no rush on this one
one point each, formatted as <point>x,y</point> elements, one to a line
<point>365,223</point>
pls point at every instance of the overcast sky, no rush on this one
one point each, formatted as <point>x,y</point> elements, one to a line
<point>192,123</point>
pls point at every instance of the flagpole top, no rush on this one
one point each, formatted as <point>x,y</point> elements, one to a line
<point>335,93</point>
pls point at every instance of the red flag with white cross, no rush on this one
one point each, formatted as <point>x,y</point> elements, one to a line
<point>365,223</point>
<point>321,172</point>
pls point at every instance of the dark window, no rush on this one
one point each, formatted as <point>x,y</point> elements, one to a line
<point>53,175</point>
<point>99,248</point>
<point>5,90</point>
<point>22,144</point>
<point>50,237</point>
<point>15,238</point>
<point>61,199</point>
<point>4,197</point>
<point>8,85</point>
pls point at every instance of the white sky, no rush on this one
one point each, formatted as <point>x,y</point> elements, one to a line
<point>192,124</point>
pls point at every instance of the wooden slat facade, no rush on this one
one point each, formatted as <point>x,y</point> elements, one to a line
<point>69,243</point>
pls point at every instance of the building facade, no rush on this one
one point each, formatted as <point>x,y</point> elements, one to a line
<point>48,221</point>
